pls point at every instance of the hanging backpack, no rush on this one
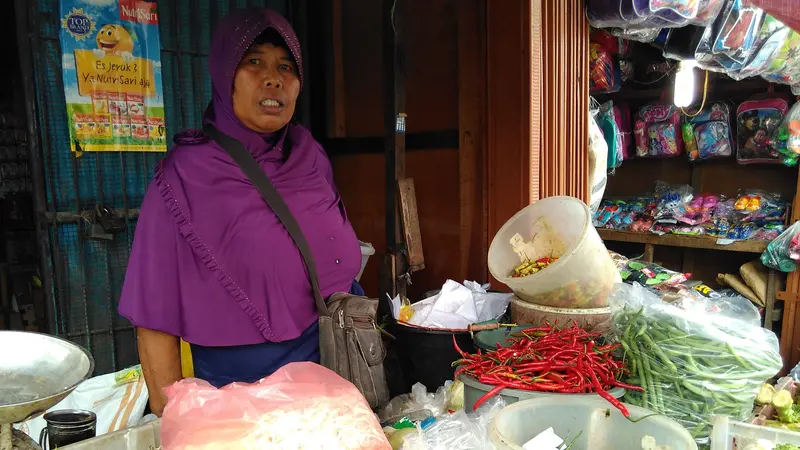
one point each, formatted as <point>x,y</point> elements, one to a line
<point>756,122</point>
<point>709,134</point>
<point>657,131</point>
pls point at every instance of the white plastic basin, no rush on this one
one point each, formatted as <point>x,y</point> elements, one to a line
<point>601,426</point>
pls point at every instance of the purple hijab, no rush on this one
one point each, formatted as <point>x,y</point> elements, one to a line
<point>210,262</point>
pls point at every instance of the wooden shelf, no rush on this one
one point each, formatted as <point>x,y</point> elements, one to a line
<point>673,240</point>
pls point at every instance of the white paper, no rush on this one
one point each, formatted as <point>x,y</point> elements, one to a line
<point>546,440</point>
<point>458,306</point>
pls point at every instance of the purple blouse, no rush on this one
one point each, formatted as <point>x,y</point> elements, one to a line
<point>211,262</point>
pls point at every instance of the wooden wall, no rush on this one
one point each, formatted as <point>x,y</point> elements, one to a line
<point>452,241</point>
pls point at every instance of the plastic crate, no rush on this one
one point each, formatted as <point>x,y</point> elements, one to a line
<point>144,437</point>
<point>731,435</point>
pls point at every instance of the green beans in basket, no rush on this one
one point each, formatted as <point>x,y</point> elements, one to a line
<point>692,366</point>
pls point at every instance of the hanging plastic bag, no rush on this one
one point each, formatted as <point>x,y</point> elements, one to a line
<point>707,12</point>
<point>301,406</point>
<point>598,154</point>
<point>786,138</point>
<point>784,252</point>
<point>692,366</point>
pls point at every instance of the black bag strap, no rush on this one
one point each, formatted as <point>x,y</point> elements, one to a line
<point>250,167</point>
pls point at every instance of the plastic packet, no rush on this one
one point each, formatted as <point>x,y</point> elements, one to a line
<point>786,138</point>
<point>671,201</point>
<point>784,252</point>
<point>692,366</point>
<point>301,406</point>
<point>645,35</point>
<point>457,431</point>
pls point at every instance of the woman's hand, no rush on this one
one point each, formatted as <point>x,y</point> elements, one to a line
<point>160,355</point>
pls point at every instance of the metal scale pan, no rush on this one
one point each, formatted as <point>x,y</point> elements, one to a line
<point>36,372</point>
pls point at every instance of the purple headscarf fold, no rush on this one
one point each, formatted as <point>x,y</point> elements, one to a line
<point>211,262</point>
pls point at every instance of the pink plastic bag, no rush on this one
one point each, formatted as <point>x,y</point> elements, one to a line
<point>301,406</point>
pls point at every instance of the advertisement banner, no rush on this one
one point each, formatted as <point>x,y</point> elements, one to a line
<point>112,75</point>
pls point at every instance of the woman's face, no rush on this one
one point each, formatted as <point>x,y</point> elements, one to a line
<point>265,88</point>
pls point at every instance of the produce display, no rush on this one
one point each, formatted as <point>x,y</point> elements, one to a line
<point>677,210</point>
<point>548,359</point>
<point>692,366</point>
<point>532,267</point>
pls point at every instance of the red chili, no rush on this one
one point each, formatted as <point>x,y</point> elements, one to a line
<point>610,398</point>
<point>628,386</point>
<point>496,390</point>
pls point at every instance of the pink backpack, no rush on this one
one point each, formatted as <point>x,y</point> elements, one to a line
<point>658,131</point>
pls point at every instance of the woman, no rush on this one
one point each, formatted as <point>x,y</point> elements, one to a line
<point>211,263</point>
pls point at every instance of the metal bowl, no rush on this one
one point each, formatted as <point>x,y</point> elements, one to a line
<point>36,372</point>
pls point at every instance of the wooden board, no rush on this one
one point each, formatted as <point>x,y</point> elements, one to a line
<point>672,240</point>
<point>410,218</point>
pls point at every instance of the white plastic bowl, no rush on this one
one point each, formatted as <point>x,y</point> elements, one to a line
<point>367,250</point>
<point>601,426</point>
<point>555,227</point>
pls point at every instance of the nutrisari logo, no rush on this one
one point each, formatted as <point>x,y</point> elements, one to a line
<point>138,11</point>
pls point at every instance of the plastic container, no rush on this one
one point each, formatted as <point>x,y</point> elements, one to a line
<point>488,340</point>
<point>601,426</point>
<point>590,319</point>
<point>143,437</point>
<point>426,355</point>
<point>555,227</point>
<point>474,390</point>
<point>367,250</point>
<point>730,435</point>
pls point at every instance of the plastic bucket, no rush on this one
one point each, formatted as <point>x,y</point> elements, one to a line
<point>426,355</point>
<point>600,425</point>
<point>474,390</point>
<point>555,227</point>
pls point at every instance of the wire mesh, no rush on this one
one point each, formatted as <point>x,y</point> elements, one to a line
<point>88,274</point>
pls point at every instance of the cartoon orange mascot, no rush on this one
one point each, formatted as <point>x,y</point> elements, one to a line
<point>115,39</point>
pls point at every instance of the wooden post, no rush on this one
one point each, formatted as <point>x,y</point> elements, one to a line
<point>395,146</point>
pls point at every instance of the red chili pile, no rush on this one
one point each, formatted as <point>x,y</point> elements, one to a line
<point>547,359</point>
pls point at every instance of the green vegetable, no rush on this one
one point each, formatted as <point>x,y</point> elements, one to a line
<point>787,447</point>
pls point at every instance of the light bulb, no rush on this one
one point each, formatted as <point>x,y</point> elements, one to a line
<point>684,84</point>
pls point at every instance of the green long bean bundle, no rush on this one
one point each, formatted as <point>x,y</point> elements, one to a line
<point>694,366</point>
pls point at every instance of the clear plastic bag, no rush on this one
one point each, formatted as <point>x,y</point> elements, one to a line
<point>692,366</point>
<point>786,138</point>
<point>458,431</point>
<point>417,405</point>
<point>301,406</point>
<point>784,252</point>
<point>598,156</point>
